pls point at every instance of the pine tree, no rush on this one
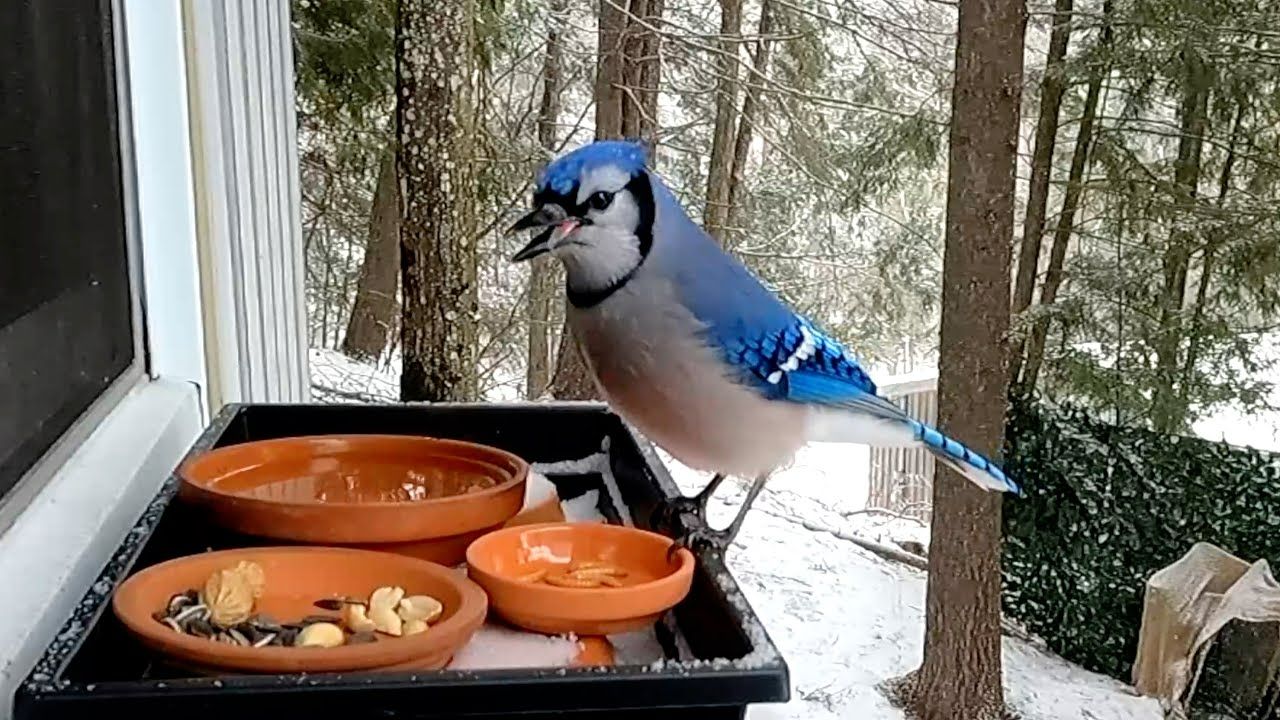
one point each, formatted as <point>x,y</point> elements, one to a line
<point>961,673</point>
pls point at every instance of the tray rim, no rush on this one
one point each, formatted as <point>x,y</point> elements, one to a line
<point>44,682</point>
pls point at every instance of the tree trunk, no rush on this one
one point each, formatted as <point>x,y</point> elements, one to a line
<point>641,68</point>
<point>1165,415</point>
<point>720,173</point>
<point>373,312</point>
<point>542,277</point>
<point>751,114</point>
<point>1051,91</point>
<point>610,77</point>
<point>1029,364</point>
<point>961,673</point>
<point>625,107</point>
<point>1206,273</point>
<point>438,253</point>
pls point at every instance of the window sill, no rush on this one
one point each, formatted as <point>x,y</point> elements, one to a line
<point>53,551</point>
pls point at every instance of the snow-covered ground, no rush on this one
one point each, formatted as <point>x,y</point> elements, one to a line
<point>845,619</point>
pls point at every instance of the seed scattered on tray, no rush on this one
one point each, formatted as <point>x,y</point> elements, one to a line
<point>223,611</point>
<point>582,575</point>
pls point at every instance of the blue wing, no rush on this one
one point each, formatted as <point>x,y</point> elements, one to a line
<point>799,362</point>
<point>778,352</point>
<point>753,330</point>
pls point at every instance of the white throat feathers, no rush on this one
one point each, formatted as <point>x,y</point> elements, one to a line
<point>611,243</point>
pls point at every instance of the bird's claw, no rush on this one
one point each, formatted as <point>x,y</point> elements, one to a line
<point>706,539</point>
<point>668,517</point>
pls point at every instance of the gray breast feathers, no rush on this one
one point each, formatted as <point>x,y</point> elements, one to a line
<point>646,354</point>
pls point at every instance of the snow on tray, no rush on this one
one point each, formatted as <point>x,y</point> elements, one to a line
<point>537,490</point>
<point>584,508</point>
<point>498,647</point>
<point>595,463</point>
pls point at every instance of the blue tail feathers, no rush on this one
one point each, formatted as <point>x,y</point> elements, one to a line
<point>973,466</point>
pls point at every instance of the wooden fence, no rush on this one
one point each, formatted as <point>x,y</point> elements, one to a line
<point>902,479</point>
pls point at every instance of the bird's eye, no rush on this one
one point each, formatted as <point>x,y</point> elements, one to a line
<point>599,200</point>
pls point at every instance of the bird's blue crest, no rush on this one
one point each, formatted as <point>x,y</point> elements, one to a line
<point>562,174</point>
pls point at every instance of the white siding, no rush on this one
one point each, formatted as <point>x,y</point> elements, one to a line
<point>248,205</point>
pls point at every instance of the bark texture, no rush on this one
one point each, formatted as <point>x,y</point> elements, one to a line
<point>720,172</point>
<point>961,673</point>
<point>434,56</point>
<point>542,276</point>
<point>641,68</point>
<point>374,311</point>
<point>628,67</point>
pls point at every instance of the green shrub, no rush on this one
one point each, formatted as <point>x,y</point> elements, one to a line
<point>1106,507</point>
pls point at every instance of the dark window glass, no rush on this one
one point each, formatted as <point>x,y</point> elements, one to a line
<point>65,316</point>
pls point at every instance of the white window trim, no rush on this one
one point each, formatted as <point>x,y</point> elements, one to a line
<point>243,131</point>
<point>72,510</point>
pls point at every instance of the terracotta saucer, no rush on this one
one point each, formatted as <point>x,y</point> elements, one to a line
<point>595,651</point>
<point>501,560</point>
<point>356,489</point>
<point>296,577</point>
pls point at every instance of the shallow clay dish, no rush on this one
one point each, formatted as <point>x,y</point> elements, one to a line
<point>595,651</point>
<point>652,585</point>
<point>295,577</point>
<point>357,489</point>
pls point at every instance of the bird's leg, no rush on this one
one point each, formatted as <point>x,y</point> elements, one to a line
<point>701,500</point>
<point>696,505</point>
<point>719,540</point>
<point>727,535</point>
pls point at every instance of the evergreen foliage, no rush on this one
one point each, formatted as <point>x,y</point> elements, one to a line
<point>1106,506</point>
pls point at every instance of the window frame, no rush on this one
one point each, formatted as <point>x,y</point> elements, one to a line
<point>46,467</point>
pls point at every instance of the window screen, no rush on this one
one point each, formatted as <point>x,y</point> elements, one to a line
<point>65,312</point>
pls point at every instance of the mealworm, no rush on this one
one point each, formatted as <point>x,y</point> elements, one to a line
<point>534,576</point>
<point>600,572</point>
<point>571,581</point>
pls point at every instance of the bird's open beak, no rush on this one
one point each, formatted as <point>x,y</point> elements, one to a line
<point>540,244</point>
<point>542,217</point>
<point>557,227</point>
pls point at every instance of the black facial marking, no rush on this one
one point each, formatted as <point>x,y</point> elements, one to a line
<point>642,191</point>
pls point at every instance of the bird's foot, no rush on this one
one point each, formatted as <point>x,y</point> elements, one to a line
<point>702,535</point>
<point>670,512</point>
<point>701,538</point>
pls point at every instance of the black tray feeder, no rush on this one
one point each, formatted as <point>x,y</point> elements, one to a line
<point>718,657</point>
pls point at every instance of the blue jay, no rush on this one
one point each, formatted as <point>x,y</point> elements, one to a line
<point>691,349</point>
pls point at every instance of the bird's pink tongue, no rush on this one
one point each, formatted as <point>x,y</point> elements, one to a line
<point>565,229</point>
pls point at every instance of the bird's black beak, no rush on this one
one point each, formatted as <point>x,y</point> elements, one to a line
<point>544,217</point>
<point>537,246</point>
